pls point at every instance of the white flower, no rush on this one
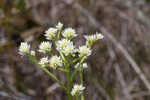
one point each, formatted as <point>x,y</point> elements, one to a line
<point>55,61</point>
<point>65,46</point>
<point>44,61</point>
<point>77,89</point>
<point>51,33</point>
<point>45,47</point>
<point>59,26</point>
<point>32,53</point>
<point>24,48</point>
<point>84,51</point>
<point>84,65</point>
<point>92,38</point>
<point>99,36</point>
<point>69,33</point>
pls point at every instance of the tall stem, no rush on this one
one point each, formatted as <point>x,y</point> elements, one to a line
<point>67,67</point>
<point>77,97</point>
<point>48,72</point>
<point>58,35</point>
<point>69,82</point>
<point>81,80</point>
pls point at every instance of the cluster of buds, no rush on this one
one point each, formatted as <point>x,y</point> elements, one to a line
<point>65,48</point>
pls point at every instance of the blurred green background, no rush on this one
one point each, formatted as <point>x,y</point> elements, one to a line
<point>119,66</point>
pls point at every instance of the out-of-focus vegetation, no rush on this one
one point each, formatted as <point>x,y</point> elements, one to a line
<point>118,68</point>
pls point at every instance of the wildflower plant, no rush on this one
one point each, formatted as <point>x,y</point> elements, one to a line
<point>66,57</point>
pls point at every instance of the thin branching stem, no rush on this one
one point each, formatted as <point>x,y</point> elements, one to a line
<point>48,72</point>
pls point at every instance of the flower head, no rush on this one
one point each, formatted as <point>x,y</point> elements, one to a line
<point>84,65</point>
<point>69,33</point>
<point>24,48</point>
<point>45,47</point>
<point>90,39</point>
<point>51,33</point>
<point>84,51</point>
<point>32,53</point>
<point>77,89</point>
<point>59,26</point>
<point>55,61</point>
<point>44,61</point>
<point>65,46</point>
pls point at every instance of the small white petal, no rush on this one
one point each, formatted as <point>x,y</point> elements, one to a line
<point>84,51</point>
<point>65,46</point>
<point>90,39</point>
<point>32,53</point>
<point>69,33</point>
<point>51,33</point>
<point>44,61</point>
<point>84,65</point>
<point>59,26</point>
<point>99,36</point>
<point>55,61</point>
<point>45,47</point>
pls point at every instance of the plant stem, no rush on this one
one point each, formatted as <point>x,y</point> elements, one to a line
<point>58,35</point>
<point>61,69</point>
<point>81,79</point>
<point>77,69</point>
<point>69,82</point>
<point>48,72</point>
<point>54,77</point>
<point>75,60</point>
<point>74,73</point>
<point>77,97</point>
<point>67,67</point>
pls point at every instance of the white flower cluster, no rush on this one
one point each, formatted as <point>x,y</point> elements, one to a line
<point>55,61</point>
<point>51,33</point>
<point>69,33</point>
<point>90,39</point>
<point>32,53</point>
<point>45,47</point>
<point>77,89</point>
<point>66,49</point>
<point>84,51</point>
<point>44,62</point>
<point>59,26</point>
<point>65,46</point>
<point>24,48</point>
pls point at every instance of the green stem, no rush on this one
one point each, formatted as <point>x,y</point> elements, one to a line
<point>81,80</point>
<point>69,82</point>
<point>58,35</point>
<point>77,97</point>
<point>74,73</point>
<point>54,77</point>
<point>75,60</point>
<point>77,69</point>
<point>61,69</point>
<point>48,72</point>
<point>67,67</point>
